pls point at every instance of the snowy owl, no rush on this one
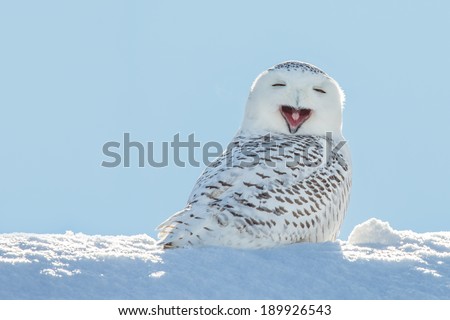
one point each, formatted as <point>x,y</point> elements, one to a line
<point>284,178</point>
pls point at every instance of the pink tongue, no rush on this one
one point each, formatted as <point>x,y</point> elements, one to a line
<point>295,117</point>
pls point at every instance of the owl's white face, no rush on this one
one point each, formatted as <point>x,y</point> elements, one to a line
<point>294,98</point>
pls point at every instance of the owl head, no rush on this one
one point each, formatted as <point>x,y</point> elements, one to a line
<point>295,98</point>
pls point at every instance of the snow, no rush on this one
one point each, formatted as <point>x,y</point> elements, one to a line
<point>376,262</point>
<point>374,231</point>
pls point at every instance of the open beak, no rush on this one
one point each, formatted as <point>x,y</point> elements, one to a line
<point>294,117</point>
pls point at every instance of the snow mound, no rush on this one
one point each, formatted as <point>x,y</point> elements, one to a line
<point>376,263</point>
<point>374,231</point>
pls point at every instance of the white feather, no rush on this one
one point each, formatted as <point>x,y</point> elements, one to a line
<point>271,186</point>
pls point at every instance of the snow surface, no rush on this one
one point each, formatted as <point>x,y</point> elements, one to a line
<point>376,262</point>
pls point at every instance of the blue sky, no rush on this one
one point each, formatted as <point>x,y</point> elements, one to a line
<point>74,75</point>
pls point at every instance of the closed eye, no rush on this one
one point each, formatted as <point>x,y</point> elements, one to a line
<point>319,90</point>
<point>279,85</point>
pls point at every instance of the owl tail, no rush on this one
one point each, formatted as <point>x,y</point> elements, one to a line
<point>180,230</point>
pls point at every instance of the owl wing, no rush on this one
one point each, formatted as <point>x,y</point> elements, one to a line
<point>249,197</point>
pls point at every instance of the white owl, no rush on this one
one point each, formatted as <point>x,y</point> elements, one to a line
<point>284,178</point>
